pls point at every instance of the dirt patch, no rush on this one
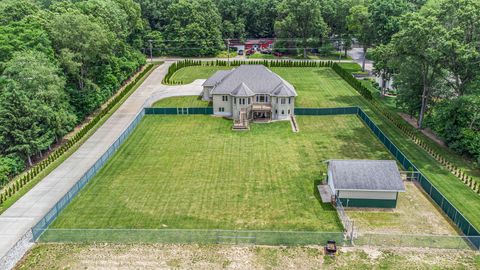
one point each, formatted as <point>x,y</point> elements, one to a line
<point>138,256</point>
<point>426,131</point>
<point>415,214</point>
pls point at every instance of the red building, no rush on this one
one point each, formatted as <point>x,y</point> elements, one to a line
<point>259,44</point>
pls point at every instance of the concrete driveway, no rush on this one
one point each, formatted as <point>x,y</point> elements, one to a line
<point>357,55</point>
<point>16,221</point>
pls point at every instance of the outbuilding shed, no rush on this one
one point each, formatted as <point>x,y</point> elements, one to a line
<point>365,183</point>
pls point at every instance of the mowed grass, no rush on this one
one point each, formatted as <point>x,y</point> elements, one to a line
<point>322,87</point>
<point>188,101</point>
<point>194,172</point>
<point>189,74</point>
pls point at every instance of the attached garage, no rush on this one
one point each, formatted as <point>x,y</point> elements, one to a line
<point>365,183</point>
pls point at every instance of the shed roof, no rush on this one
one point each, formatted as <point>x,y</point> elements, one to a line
<point>371,175</point>
<point>258,78</point>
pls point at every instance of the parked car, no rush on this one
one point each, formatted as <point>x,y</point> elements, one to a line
<point>266,51</point>
<point>249,52</point>
<point>278,54</point>
<point>240,52</point>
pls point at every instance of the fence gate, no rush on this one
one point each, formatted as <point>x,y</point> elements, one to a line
<point>182,110</point>
<point>411,176</point>
<point>236,237</point>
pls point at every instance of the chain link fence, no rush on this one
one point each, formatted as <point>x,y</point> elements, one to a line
<point>187,236</point>
<point>416,241</point>
<point>41,233</point>
<point>51,215</point>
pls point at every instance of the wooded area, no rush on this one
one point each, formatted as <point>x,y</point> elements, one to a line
<point>59,61</point>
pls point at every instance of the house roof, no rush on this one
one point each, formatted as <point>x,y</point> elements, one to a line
<point>242,90</point>
<point>216,78</point>
<point>259,41</point>
<point>371,175</point>
<point>258,78</point>
<point>282,90</point>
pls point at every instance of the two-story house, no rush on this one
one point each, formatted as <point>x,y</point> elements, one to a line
<point>250,92</point>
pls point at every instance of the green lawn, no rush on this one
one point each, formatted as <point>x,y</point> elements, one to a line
<point>258,55</point>
<point>189,74</point>
<point>189,101</point>
<point>194,172</point>
<point>322,87</point>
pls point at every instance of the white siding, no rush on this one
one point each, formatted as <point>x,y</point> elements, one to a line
<point>278,108</point>
<point>236,106</point>
<point>219,103</point>
<point>330,182</point>
<point>380,195</point>
<point>206,92</point>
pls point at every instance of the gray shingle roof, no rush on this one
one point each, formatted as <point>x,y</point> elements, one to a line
<point>216,78</point>
<point>242,90</point>
<point>374,175</point>
<point>282,90</point>
<point>258,78</point>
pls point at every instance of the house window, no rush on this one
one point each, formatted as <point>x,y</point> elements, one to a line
<point>283,100</point>
<point>257,98</point>
<point>276,111</point>
<point>221,109</point>
<point>277,100</point>
<point>262,98</point>
<point>288,111</point>
<point>224,98</point>
<point>248,100</point>
<point>289,100</point>
<point>266,98</point>
<point>234,100</point>
<point>283,112</point>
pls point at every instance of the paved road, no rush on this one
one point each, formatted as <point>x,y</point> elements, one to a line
<point>16,221</point>
<point>236,58</point>
<point>357,56</point>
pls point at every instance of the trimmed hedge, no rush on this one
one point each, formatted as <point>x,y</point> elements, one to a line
<point>234,63</point>
<point>16,185</point>
<point>347,76</point>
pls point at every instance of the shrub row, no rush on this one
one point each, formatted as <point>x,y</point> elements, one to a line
<point>406,129</point>
<point>352,81</point>
<point>413,134</point>
<point>16,185</point>
<point>234,63</point>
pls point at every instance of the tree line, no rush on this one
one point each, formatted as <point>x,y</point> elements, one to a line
<point>434,59</point>
<point>198,28</point>
<point>59,61</point>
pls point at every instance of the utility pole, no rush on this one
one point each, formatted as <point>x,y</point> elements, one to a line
<point>228,51</point>
<point>150,45</point>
